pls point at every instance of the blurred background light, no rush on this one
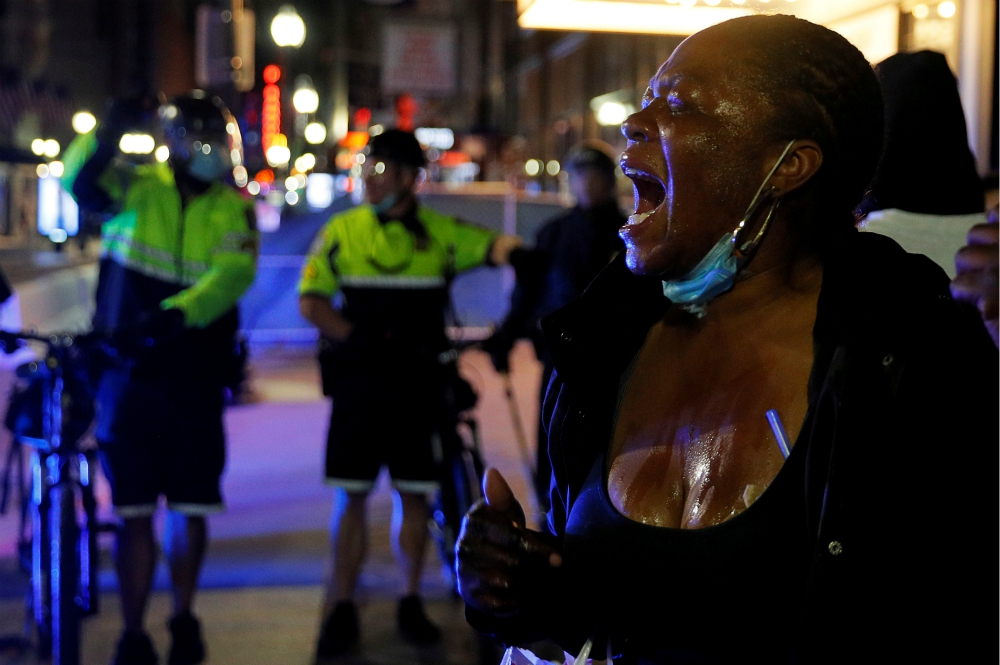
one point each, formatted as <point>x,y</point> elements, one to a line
<point>51,148</point>
<point>315,133</point>
<point>83,122</point>
<point>305,162</point>
<point>38,147</point>
<point>291,197</point>
<point>288,28</point>
<point>253,187</point>
<point>946,9</point>
<point>553,167</point>
<point>441,138</point>
<point>921,11</point>
<point>162,153</point>
<point>278,156</point>
<point>137,144</point>
<point>532,167</point>
<point>56,168</point>
<point>320,190</point>
<point>305,100</point>
<point>612,113</point>
<point>635,17</point>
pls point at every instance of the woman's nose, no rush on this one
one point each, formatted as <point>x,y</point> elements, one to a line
<point>635,128</point>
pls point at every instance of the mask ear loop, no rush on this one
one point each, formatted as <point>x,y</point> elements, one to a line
<point>744,250</point>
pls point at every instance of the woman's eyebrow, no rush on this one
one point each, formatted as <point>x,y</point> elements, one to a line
<point>668,82</point>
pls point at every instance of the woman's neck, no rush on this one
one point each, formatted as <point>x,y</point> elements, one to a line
<point>754,290</point>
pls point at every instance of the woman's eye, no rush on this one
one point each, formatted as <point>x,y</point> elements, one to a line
<point>674,103</point>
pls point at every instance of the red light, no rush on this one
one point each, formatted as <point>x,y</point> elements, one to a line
<point>271,74</point>
<point>406,109</point>
<point>266,175</point>
<point>270,111</point>
<point>354,141</point>
<point>362,117</point>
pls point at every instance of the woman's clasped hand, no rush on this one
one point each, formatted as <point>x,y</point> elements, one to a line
<point>498,556</point>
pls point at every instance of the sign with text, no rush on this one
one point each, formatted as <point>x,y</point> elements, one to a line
<point>419,58</point>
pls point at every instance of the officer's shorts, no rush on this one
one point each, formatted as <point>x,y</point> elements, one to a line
<point>161,437</point>
<point>369,431</point>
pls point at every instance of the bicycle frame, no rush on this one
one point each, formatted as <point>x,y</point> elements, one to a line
<point>63,510</point>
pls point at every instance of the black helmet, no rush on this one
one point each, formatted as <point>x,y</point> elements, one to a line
<point>196,113</point>
<point>589,156</point>
<point>397,146</point>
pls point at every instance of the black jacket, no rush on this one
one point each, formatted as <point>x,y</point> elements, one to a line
<point>901,468</point>
<point>569,252</point>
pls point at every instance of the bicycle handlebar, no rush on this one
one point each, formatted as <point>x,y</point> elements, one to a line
<point>10,340</point>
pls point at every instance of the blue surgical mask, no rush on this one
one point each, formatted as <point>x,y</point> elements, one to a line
<point>716,272</point>
<point>208,166</point>
<point>386,203</point>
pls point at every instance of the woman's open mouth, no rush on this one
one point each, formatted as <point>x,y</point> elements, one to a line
<point>650,193</point>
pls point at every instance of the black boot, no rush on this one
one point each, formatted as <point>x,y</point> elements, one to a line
<point>135,648</point>
<point>339,632</point>
<point>186,644</point>
<point>414,624</point>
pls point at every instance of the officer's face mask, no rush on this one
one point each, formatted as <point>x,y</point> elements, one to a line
<point>716,272</point>
<point>208,161</point>
<point>386,204</point>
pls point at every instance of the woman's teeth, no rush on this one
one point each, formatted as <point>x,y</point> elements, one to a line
<point>637,217</point>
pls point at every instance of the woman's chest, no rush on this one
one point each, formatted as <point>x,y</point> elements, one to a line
<point>692,445</point>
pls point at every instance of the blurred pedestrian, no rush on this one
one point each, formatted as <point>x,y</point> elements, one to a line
<point>569,251</point>
<point>388,264</point>
<point>926,192</point>
<point>177,254</point>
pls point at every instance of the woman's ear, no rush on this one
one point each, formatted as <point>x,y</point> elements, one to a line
<point>799,166</point>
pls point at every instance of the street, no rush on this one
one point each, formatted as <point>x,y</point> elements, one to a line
<point>266,563</point>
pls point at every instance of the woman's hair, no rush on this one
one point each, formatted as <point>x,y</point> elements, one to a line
<point>822,88</point>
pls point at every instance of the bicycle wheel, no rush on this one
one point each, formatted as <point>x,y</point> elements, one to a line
<point>65,576</point>
<point>41,560</point>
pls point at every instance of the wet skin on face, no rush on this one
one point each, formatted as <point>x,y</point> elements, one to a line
<point>696,154</point>
<point>692,446</point>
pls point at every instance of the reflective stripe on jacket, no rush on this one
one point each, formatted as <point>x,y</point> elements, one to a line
<point>206,251</point>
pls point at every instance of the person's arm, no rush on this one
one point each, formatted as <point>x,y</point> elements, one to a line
<point>530,266</point>
<point>232,270</point>
<point>88,172</point>
<point>317,310</point>
<point>318,285</point>
<point>473,246</point>
<point>502,248</point>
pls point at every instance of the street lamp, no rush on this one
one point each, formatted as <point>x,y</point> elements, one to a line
<point>288,28</point>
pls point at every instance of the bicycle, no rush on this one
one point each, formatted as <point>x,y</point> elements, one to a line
<point>49,413</point>
<point>460,464</point>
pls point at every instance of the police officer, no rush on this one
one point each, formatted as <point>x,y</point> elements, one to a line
<point>178,252</point>
<point>569,251</point>
<point>389,263</point>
